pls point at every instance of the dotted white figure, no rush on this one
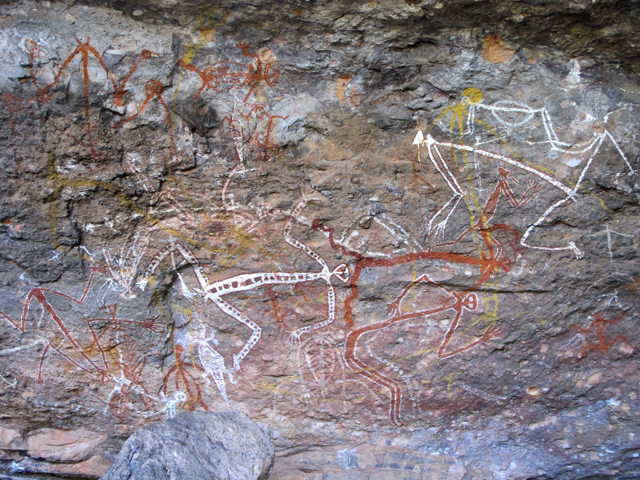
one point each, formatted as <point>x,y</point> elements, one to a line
<point>212,361</point>
<point>216,291</point>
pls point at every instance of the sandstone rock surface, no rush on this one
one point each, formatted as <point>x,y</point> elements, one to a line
<point>197,445</point>
<point>402,233</point>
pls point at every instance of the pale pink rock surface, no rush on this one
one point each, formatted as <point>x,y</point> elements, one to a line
<point>62,445</point>
<point>11,439</point>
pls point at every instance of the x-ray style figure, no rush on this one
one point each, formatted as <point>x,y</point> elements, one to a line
<point>212,361</point>
<point>184,381</point>
<point>464,117</point>
<point>457,302</point>
<point>216,291</point>
<point>440,299</point>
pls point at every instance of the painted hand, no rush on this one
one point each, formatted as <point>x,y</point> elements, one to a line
<point>491,333</point>
<point>577,252</point>
<point>393,309</point>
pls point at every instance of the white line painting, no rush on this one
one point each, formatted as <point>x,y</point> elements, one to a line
<point>466,112</point>
<point>211,361</point>
<point>122,267</point>
<point>216,291</point>
<point>322,358</point>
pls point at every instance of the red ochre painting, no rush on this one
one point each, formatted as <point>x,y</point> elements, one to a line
<point>380,317</point>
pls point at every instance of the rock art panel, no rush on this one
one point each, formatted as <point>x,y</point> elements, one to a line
<point>393,244</point>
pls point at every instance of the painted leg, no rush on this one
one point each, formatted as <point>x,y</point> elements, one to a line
<point>256,331</point>
<point>395,394</point>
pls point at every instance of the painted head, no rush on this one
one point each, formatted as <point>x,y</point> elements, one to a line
<point>471,96</point>
<point>503,172</point>
<point>202,334</point>
<point>267,56</point>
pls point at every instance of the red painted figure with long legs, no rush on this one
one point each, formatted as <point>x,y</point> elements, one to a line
<point>85,50</point>
<point>40,295</point>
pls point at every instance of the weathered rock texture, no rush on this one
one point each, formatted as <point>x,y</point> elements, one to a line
<point>196,445</point>
<point>402,233</point>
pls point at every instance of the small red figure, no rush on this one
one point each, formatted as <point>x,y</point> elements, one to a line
<point>601,345</point>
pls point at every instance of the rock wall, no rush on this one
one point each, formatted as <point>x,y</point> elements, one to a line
<point>404,234</point>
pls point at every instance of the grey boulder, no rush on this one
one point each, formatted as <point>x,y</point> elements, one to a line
<point>196,446</point>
